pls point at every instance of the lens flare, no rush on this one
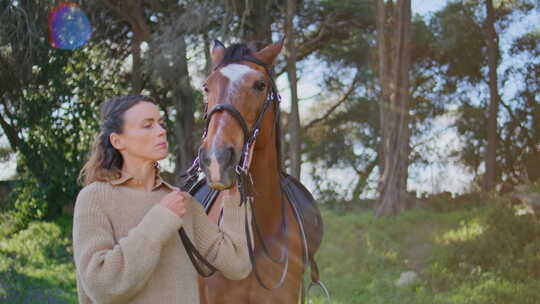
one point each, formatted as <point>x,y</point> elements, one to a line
<point>69,27</point>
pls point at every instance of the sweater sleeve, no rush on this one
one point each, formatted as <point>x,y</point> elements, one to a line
<point>224,246</point>
<point>115,271</point>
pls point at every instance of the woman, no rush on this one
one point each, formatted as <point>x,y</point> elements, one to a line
<point>126,221</point>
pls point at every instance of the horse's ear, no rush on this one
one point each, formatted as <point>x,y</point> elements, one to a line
<point>218,51</point>
<point>269,54</point>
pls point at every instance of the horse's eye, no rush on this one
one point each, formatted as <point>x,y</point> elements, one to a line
<point>259,85</point>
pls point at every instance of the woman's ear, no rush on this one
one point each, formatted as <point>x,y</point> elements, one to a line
<point>116,141</point>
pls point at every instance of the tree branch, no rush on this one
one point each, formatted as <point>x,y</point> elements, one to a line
<point>320,36</point>
<point>363,175</point>
<point>514,118</point>
<point>335,106</point>
<point>9,130</point>
<point>132,14</point>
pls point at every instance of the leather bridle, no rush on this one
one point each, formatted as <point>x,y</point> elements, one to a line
<point>244,182</point>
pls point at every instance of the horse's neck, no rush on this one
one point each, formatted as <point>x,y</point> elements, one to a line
<point>266,179</point>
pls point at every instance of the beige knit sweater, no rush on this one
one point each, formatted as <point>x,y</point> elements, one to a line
<point>127,248</point>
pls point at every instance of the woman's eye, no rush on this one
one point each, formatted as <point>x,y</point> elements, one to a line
<point>205,88</point>
<point>163,125</point>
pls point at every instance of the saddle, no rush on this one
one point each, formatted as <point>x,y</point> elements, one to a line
<point>307,214</point>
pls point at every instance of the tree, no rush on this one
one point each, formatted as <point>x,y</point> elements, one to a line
<point>345,132</point>
<point>48,106</point>
<point>167,62</point>
<point>492,40</point>
<point>255,20</point>
<point>474,28</point>
<point>294,118</point>
<point>394,62</point>
<point>132,12</point>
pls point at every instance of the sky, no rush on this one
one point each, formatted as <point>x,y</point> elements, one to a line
<point>426,7</point>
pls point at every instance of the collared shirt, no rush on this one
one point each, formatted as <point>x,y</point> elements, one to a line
<point>158,181</point>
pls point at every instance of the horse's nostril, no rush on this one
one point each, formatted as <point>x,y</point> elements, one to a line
<point>226,156</point>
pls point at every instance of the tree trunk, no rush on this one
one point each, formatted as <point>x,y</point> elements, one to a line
<point>133,13</point>
<point>493,54</point>
<point>10,130</point>
<point>136,72</point>
<point>183,96</point>
<point>384,77</point>
<point>294,123</point>
<point>256,21</point>
<point>394,107</point>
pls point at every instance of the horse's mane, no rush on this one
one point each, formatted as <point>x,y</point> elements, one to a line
<point>235,53</point>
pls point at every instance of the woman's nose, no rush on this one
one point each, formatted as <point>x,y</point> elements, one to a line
<point>161,130</point>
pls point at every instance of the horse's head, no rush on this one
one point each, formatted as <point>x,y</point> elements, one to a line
<point>236,91</point>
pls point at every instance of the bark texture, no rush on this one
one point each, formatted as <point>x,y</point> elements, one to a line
<point>394,60</point>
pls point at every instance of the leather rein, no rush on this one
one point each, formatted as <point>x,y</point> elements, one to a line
<point>244,184</point>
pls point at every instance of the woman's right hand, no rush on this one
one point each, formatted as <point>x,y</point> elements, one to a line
<point>176,202</point>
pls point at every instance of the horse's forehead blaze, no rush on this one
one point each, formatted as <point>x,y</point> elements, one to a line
<point>235,73</point>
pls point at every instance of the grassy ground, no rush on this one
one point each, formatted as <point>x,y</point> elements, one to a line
<point>36,263</point>
<point>469,255</point>
<point>362,257</point>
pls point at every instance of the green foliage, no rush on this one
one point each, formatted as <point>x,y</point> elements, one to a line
<point>459,36</point>
<point>38,245</point>
<point>443,202</point>
<point>10,223</point>
<point>59,122</point>
<point>460,53</point>
<point>48,106</point>
<point>36,265</point>
<point>508,247</point>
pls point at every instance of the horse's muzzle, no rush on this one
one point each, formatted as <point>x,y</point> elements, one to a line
<point>219,166</point>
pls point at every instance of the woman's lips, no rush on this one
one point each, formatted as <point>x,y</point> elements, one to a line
<point>162,145</point>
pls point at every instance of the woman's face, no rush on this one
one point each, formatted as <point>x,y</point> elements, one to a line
<point>144,135</point>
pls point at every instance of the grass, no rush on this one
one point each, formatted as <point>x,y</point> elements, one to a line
<point>484,254</point>
<point>363,256</point>
<point>36,264</point>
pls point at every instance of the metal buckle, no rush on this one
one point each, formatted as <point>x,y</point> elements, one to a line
<point>255,134</point>
<point>241,169</point>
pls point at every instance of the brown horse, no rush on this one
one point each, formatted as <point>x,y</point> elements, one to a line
<point>240,80</point>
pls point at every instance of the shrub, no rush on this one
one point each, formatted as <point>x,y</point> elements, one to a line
<point>36,265</point>
<point>508,247</point>
<point>39,245</point>
<point>443,202</point>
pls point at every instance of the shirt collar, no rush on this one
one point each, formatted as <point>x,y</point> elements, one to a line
<point>125,176</point>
